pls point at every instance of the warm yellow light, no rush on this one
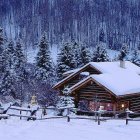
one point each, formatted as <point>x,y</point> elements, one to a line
<point>122,105</point>
<point>108,104</point>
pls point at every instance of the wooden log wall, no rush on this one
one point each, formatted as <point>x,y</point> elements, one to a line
<point>92,92</point>
<point>134,102</point>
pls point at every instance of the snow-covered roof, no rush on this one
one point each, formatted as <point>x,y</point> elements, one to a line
<point>107,68</point>
<point>111,67</point>
<point>120,83</point>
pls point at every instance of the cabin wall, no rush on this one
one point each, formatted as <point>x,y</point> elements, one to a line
<point>92,92</point>
<point>133,100</point>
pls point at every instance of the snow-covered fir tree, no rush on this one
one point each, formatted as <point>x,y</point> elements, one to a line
<point>20,62</point>
<point>96,54</point>
<point>1,51</point>
<point>8,78</point>
<point>65,60</point>
<point>7,85</point>
<point>10,56</point>
<point>65,101</point>
<point>75,51</point>
<point>43,61</point>
<point>100,53</point>
<point>104,56</point>
<point>135,58</point>
<point>73,54</point>
<point>85,55</point>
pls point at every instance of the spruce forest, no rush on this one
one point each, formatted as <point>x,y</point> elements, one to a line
<point>81,30</point>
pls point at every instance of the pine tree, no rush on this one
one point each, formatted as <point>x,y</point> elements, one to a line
<point>75,52</point>
<point>85,55</point>
<point>100,53</point>
<point>65,101</point>
<point>7,84</point>
<point>10,56</point>
<point>135,57</point>
<point>96,54</point>
<point>1,51</point>
<point>20,62</point>
<point>104,56</point>
<point>8,78</point>
<point>65,60</point>
<point>72,57</point>
<point>44,61</point>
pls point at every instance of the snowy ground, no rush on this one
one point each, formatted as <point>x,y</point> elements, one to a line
<point>14,129</point>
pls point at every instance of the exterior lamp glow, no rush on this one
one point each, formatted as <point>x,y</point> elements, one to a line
<point>122,105</point>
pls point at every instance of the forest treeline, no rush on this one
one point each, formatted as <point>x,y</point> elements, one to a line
<point>81,20</point>
<point>19,79</point>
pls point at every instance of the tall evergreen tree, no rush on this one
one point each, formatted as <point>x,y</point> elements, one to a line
<point>135,58</point>
<point>44,61</point>
<point>10,56</point>
<point>20,62</point>
<point>104,56</point>
<point>1,51</point>
<point>7,84</point>
<point>75,52</point>
<point>65,60</point>
<point>6,78</point>
<point>85,56</point>
<point>100,53</point>
<point>66,101</point>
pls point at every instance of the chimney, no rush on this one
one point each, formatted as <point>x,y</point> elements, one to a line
<point>122,64</point>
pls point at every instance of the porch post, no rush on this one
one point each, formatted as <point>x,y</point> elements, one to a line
<point>76,101</point>
<point>114,108</point>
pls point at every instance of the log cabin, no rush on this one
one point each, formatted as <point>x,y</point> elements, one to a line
<point>114,86</point>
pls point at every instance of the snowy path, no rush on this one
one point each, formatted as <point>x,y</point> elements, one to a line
<point>74,130</point>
